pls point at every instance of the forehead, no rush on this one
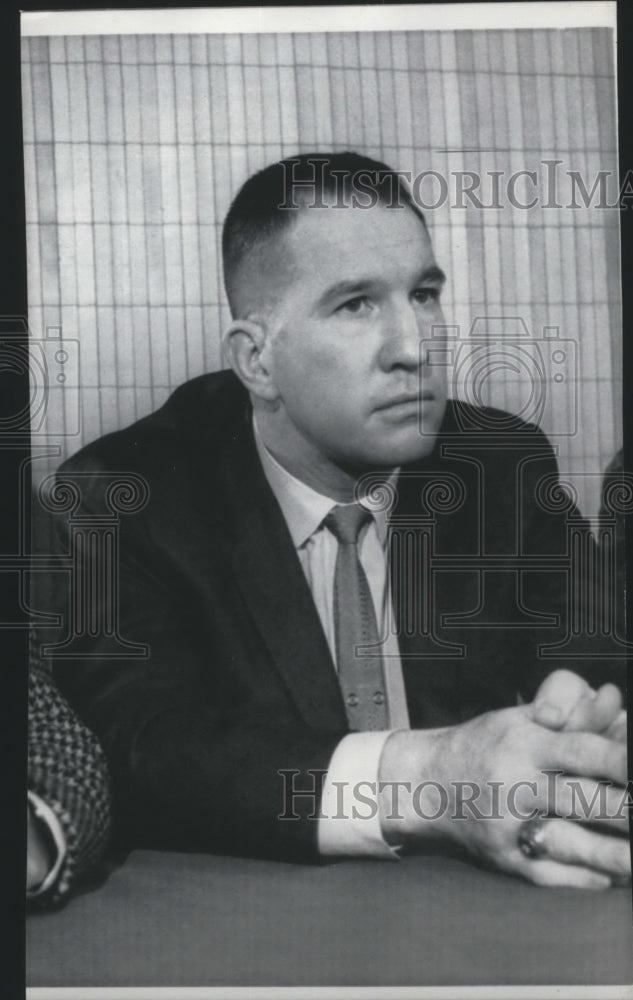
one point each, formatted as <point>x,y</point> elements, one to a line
<point>325,244</point>
<point>348,232</point>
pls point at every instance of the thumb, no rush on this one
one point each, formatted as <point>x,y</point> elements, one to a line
<point>597,712</point>
<point>557,696</point>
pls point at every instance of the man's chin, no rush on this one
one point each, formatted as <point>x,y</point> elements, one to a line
<point>405,434</point>
<point>396,451</point>
<point>410,445</point>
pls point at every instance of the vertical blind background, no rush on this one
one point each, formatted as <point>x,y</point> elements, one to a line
<point>135,145</point>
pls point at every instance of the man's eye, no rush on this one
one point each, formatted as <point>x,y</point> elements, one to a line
<point>424,295</point>
<point>354,306</point>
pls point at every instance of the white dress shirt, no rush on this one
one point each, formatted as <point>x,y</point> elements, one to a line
<point>347,826</point>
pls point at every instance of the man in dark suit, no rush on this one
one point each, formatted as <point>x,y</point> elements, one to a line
<point>298,646</point>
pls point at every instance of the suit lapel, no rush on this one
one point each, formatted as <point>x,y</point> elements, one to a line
<point>274,587</point>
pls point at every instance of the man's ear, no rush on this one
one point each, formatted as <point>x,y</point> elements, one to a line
<point>244,345</point>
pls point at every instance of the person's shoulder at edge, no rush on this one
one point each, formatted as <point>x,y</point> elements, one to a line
<point>464,423</point>
<point>208,409</point>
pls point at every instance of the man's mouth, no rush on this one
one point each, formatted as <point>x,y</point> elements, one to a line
<point>408,400</point>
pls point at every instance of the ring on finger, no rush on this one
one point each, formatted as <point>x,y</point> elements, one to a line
<point>532,838</point>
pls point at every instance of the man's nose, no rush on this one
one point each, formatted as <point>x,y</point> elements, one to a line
<point>404,337</point>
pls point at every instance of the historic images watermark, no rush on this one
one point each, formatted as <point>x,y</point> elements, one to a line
<point>459,800</point>
<point>549,184</point>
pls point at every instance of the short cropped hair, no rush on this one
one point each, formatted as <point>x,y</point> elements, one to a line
<point>269,202</point>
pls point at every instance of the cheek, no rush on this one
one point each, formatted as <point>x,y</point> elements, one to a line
<point>301,358</point>
<point>320,377</point>
<point>325,401</point>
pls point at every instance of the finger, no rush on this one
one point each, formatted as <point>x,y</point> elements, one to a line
<point>544,872</point>
<point>585,754</point>
<point>617,729</point>
<point>556,698</point>
<point>572,844</point>
<point>596,711</point>
<point>586,801</point>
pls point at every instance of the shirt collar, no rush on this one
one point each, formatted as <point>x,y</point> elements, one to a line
<point>304,509</point>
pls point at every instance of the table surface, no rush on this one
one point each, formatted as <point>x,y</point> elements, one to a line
<point>166,919</point>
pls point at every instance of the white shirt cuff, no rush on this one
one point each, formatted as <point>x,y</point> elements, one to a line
<point>45,814</point>
<point>349,822</point>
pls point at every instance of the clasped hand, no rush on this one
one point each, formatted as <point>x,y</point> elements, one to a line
<point>561,758</point>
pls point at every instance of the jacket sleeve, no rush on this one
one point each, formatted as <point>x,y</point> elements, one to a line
<point>67,770</point>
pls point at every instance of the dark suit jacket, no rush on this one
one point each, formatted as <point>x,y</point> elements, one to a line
<point>239,683</point>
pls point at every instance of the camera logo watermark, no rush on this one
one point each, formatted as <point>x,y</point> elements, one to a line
<point>542,371</point>
<point>51,365</point>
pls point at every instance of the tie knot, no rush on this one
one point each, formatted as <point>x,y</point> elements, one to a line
<point>345,522</point>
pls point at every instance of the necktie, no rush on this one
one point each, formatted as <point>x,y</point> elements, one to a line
<point>361,673</point>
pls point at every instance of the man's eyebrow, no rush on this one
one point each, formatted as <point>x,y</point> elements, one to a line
<point>342,288</point>
<point>435,274</point>
<point>345,288</point>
